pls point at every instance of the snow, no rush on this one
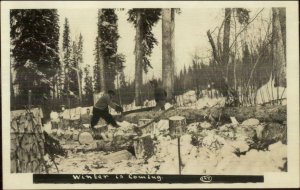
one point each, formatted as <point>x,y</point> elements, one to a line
<point>250,122</point>
<point>221,150</point>
<point>193,127</point>
<point>176,118</point>
<point>189,100</point>
<point>205,125</point>
<point>54,116</point>
<point>168,105</point>
<point>269,93</point>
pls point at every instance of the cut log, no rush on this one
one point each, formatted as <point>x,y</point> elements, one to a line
<point>13,165</point>
<point>143,147</point>
<point>277,114</point>
<point>117,156</point>
<point>149,129</point>
<point>14,126</point>
<point>86,137</point>
<point>27,142</point>
<point>177,126</point>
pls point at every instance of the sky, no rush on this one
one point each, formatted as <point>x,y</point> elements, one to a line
<point>191,26</point>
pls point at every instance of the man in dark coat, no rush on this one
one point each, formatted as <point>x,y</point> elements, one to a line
<point>160,95</point>
<point>100,109</point>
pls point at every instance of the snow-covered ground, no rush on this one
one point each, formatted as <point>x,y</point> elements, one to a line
<point>269,93</point>
<point>204,150</point>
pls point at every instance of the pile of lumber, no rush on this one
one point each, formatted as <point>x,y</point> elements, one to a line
<point>27,142</point>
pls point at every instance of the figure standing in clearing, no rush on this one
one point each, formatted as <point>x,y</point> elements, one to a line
<point>100,109</point>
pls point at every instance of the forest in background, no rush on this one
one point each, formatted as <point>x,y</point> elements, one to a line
<point>237,68</point>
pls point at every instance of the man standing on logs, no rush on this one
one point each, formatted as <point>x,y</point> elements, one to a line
<point>160,95</point>
<point>100,109</point>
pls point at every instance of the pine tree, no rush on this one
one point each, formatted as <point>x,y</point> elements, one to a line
<point>34,41</point>
<point>108,60</point>
<point>80,50</point>
<point>66,47</point>
<point>74,71</point>
<point>88,87</point>
<point>96,69</point>
<point>143,20</point>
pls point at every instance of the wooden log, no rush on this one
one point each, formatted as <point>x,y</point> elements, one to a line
<point>86,137</point>
<point>13,165</point>
<point>28,167</point>
<point>149,129</point>
<point>143,147</point>
<point>14,126</point>
<point>277,114</point>
<point>176,126</point>
<point>38,129</point>
<point>29,126</point>
<point>117,156</point>
<point>21,126</point>
<point>27,142</point>
<point>14,142</point>
<point>23,158</point>
<point>35,166</point>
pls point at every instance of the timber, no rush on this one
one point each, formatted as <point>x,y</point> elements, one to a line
<point>27,143</point>
<point>176,125</point>
<point>268,113</point>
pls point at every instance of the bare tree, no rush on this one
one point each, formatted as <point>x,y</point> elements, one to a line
<point>138,59</point>
<point>101,56</point>
<point>168,43</point>
<point>279,60</point>
<point>226,36</point>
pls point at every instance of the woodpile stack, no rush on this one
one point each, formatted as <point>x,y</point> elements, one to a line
<point>27,142</point>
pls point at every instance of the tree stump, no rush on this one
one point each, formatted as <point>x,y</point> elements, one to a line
<point>176,126</point>
<point>143,147</point>
<point>149,129</point>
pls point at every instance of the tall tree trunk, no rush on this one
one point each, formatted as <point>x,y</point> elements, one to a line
<point>213,46</point>
<point>226,36</point>
<point>168,43</point>
<point>282,19</point>
<point>79,86</point>
<point>138,60</point>
<point>279,60</point>
<point>12,91</point>
<point>235,53</point>
<point>101,58</point>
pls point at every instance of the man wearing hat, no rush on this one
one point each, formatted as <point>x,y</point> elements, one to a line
<point>100,109</point>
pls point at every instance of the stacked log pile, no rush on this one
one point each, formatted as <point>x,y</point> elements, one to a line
<point>27,142</point>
